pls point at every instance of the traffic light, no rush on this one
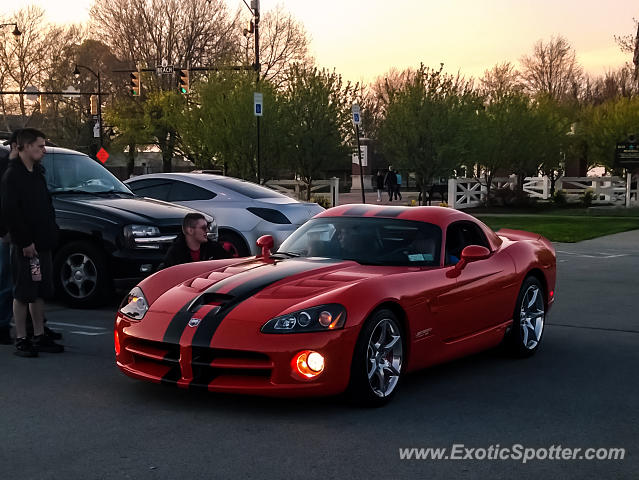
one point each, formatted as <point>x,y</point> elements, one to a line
<point>184,81</point>
<point>135,84</point>
<point>94,104</point>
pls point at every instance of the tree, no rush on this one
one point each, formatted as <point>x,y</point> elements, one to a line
<point>502,80</point>
<point>498,134</point>
<point>35,58</point>
<point>426,121</point>
<point>552,70</point>
<point>606,124</point>
<point>185,34</point>
<point>283,42</point>
<point>218,128</point>
<point>319,104</point>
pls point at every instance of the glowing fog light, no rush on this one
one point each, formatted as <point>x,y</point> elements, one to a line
<point>309,364</point>
<point>315,362</point>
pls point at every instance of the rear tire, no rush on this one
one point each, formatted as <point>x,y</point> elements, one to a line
<point>234,243</point>
<point>529,318</point>
<point>378,360</point>
<point>80,275</point>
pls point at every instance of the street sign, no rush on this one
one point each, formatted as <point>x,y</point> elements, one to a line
<point>364,152</point>
<point>627,155</point>
<point>71,92</point>
<point>164,69</point>
<point>102,155</point>
<point>357,119</point>
<point>96,130</point>
<point>34,96</point>
<point>258,102</point>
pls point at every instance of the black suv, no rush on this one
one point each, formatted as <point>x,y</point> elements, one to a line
<point>109,237</point>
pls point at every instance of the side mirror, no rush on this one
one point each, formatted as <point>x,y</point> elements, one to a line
<point>471,253</point>
<point>266,243</point>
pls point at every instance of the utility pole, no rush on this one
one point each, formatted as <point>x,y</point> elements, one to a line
<point>255,4</point>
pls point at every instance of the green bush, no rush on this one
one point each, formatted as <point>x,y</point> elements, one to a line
<point>559,198</point>
<point>587,197</point>
<point>322,201</point>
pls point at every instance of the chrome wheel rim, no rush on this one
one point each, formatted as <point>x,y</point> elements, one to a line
<point>531,317</point>
<point>79,275</point>
<point>384,357</point>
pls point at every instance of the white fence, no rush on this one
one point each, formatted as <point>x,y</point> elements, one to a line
<point>470,192</point>
<point>297,189</point>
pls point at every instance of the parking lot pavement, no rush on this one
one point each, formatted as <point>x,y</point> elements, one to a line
<point>597,283</point>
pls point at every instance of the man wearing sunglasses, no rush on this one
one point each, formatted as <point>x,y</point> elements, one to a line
<point>193,244</point>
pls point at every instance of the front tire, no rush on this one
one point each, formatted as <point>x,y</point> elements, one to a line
<point>378,360</point>
<point>81,276</point>
<point>529,319</point>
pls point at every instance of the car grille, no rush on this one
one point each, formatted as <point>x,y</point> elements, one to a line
<point>197,366</point>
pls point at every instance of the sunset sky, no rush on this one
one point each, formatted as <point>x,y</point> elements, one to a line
<point>364,39</point>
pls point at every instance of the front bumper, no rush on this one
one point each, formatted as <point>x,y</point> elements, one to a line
<point>237,361</point>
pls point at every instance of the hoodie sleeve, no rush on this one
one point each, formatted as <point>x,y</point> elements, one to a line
<point>13,211</point>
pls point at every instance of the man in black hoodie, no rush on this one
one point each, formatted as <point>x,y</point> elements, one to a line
<point>193,244</point>
<point>30,218</point>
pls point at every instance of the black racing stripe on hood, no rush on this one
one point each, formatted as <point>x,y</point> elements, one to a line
<point>391,212</point>
<point>179,322</point>
<point>250,287</point>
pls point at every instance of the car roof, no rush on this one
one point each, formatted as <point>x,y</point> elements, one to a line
<point>441,216</point>
<point>193,176</point>
<point>56,150</point>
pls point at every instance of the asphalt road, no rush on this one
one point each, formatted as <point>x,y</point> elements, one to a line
<point>74,415</point>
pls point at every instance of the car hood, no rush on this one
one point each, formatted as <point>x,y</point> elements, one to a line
<point>130,209</point>
<point>265,288</point>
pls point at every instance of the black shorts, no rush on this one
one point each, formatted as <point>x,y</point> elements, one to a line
<point>24,288</point>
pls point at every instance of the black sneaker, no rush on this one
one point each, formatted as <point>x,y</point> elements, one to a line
<point>5,336</point>
<point>42,343</point>
<point>24,348</point>
<point>52,334</point>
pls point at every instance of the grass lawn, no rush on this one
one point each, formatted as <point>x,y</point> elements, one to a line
<point>562,228</point>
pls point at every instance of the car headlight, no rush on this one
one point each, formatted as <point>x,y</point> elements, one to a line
<point>315,319</point>
<point>140,231</point>
<point>134,304</point>
<point>212,231</point>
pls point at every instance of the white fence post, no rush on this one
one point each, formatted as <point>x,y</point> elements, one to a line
<point>546,187</point>
<point>335,191</point>
<point>452,192</point>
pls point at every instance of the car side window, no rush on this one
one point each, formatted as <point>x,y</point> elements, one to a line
<point>184,192</point>
<point>153,188</point>
<point>458,236</point>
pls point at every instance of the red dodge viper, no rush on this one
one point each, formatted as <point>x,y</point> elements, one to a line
<point>354,299</point>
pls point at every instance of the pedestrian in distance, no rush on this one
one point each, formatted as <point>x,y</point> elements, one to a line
<point>380,185</point>
<point>30,219</point>
<point>398,184</point>
<point>193,244</point>
<point>390,180</point>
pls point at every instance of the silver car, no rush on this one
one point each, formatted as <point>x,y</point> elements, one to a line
<point>244,211</point>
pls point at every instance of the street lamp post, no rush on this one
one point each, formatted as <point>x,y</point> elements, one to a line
<point>16,31</point>
<point>255,10</point>
<point>76,72</point>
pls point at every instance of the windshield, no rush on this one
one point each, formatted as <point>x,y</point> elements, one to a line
<point>370,241</point>
<point>79,173</point>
